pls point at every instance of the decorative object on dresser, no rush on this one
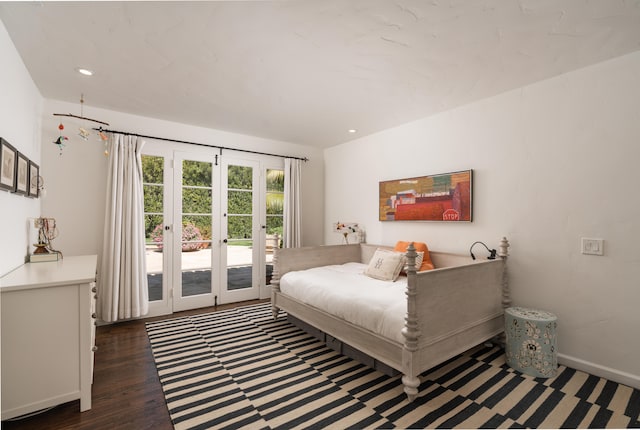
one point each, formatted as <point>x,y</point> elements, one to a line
<point>443,197</point>
<point>449,309</point>
<point>346,228</point>
<point>48,334</point>
<point>47,231</point>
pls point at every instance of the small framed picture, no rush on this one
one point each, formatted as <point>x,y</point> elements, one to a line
<point>22,175</point>
<point>8,162</point>
<point>34,174</point>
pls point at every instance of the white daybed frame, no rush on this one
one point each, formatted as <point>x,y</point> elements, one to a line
<point>450,309</point>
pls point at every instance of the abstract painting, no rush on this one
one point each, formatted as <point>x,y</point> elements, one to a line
<point>443,197</point>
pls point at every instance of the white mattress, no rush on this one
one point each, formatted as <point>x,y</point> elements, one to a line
<point>344,291</point>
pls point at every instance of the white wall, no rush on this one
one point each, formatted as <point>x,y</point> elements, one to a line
<point>20,114</point>
<point>76,180</point>
<point>553,162</point>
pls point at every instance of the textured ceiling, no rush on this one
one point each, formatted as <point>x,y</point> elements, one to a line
<point>308,71</point>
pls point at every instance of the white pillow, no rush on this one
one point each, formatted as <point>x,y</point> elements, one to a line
<point>385,265</point>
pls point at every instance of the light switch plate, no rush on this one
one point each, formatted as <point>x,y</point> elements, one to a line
<point>592,246</point>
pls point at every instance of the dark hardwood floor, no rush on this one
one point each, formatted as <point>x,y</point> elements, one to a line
<point>126,392</point>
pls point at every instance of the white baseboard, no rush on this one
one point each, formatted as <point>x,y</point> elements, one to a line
<point>601,371</point>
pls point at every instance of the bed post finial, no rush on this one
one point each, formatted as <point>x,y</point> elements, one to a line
<point>411,259</point>
<point>504,248</point>
<point>275,280</point>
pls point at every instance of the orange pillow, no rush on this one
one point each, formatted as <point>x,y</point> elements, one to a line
<point>427,264</point>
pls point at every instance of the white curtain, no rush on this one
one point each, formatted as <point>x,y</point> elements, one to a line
<point>292,229</point>
<point>123,290</point>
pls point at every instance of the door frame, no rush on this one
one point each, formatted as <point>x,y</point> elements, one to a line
<point>165,306</point>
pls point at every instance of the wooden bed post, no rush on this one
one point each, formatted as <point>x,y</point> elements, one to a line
<point>275,282</point>
<point>503,253</point>
<point>411,330</point>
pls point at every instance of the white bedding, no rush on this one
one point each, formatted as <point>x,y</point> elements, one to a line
<point>344,291</point>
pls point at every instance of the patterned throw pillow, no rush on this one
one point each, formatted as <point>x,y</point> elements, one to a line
<point>427,264</point>
<point>385,265</point>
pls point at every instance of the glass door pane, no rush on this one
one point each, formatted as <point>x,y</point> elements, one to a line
<point>238,250</point>
<point>239,227</point>
<point>153,187</point>
<point>195,241</point>
<point>274,217</point>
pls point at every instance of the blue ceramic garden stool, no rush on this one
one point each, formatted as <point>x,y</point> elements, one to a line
<point>531,341</point>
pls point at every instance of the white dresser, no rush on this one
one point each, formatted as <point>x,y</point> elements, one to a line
<point>48,334</point>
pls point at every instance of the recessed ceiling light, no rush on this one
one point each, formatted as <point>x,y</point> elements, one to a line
<point>85,72</point>
<point>353,130</point>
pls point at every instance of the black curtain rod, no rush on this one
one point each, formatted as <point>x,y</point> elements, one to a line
<point>199,144</point>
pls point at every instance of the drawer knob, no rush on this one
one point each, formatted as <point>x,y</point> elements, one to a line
<point>94,349</point>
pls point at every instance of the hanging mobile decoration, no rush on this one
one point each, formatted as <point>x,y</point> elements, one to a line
<point>60,140</point>
<point>104,138</point>
<point>82,132</point>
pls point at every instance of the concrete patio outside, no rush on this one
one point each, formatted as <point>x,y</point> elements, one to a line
<point>237,256</point>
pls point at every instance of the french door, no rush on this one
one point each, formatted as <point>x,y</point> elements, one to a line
<point>241,231</point>
<point>196,225</point>
<point>207,222</point>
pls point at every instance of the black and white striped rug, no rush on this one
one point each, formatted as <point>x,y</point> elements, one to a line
<point>240,368</point>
